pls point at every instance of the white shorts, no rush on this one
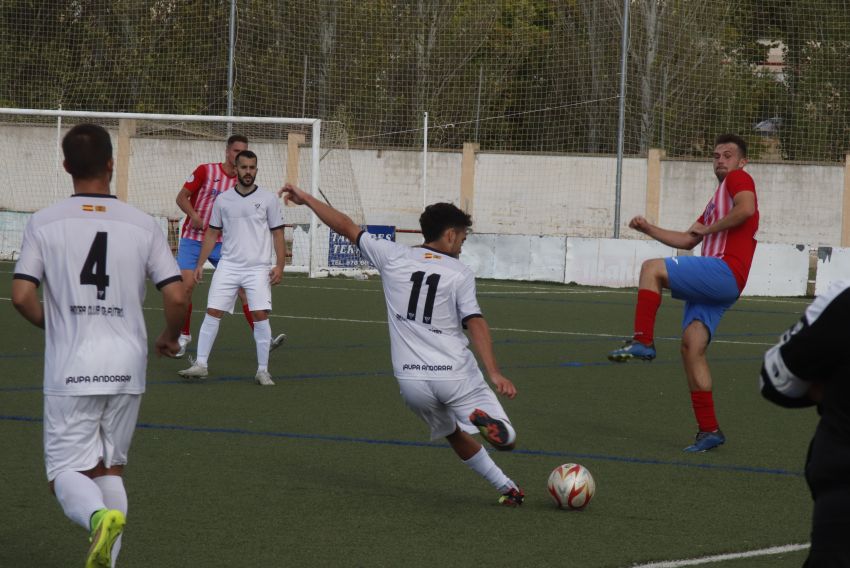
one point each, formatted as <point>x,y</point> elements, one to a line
<point>445,405</point>
<point>226,283</point>
<point>80,431</point>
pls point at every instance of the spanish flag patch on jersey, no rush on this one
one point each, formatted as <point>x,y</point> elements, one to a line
<point>97,208</point>
<point>432,256</point>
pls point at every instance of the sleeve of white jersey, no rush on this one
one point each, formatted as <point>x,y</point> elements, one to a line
<point>274,214</point>
<point>376,251</point>
<point>467,300</point>
<point>30,265</point>
<point>215,216</point>
<point>161,267</point>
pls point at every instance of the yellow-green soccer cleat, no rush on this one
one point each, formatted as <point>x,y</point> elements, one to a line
<point>107,525</point>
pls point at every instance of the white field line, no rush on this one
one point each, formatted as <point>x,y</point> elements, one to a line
<point>510,329</point>
<point>724,557</point>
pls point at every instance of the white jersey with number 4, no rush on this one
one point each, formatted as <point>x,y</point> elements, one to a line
<point>93,254</point>
<point>429,295</point>
<point>245,222</point>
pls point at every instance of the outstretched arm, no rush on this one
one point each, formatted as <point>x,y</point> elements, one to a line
<point>336,220</point>
<point>677,239</point>
<point>479,333</point>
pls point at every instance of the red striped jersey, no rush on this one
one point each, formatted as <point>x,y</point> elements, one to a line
<point>205,184</point>
<point>737,245</point>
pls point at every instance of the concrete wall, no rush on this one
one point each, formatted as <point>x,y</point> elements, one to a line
<point>513,193</point>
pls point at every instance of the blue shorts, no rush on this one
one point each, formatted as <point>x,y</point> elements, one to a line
<point>707,286</point>
<point>189,250</point>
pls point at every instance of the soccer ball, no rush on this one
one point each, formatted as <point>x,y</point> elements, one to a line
<point>571,486</point>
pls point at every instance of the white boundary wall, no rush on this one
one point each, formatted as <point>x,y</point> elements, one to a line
<point>515,196</point>
<point>777,270</point>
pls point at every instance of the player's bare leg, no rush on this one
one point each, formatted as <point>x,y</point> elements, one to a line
<point>476,457</point>
<point>695,340</point>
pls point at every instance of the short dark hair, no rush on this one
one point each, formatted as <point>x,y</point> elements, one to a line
<point>441,216</point>
<point>245,154</point>
<point>732,139</point>
<point>87,149</point>
<point>237,138</point>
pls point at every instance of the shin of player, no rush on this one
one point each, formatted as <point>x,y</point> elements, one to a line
<point>709,284</point>
<point>430,298</point>
<point>250,222</point>
<point>87,249</point>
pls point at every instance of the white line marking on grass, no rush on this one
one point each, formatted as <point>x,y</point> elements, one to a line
<point>509,329</point>
<point>724,557</point>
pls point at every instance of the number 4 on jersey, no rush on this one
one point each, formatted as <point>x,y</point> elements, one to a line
<point>94,269</point>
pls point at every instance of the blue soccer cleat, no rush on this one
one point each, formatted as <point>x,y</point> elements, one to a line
<point>705,441</point>
<point>632,349</point>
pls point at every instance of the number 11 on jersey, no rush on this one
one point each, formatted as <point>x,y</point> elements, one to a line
<point>432,282</point>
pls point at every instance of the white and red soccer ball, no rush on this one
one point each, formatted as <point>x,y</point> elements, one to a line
<point>571,486</point>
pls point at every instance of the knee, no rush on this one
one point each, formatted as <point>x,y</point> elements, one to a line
<point>691,349</point>
<point>215,313</point>
<point>261,315</point>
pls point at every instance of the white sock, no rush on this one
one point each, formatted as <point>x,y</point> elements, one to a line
<point>115,497</point>
<point>263,339</point>
<point>482,464</point>
<point>206,338</point>
<point>79,497</point>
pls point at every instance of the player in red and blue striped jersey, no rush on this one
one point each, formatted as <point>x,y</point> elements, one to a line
<point>709,284</point>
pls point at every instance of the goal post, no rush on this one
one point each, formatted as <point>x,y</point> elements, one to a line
<point>154,155</point>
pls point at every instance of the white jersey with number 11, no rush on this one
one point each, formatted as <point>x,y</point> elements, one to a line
<point>429,295</point>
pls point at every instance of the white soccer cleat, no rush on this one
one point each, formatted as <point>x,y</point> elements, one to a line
<point>277,342</point>
<point>184,341</point>
<point>196,371</point>
<point>264,379</point>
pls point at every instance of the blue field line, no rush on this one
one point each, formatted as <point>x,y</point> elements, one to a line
<point>439,445</point>
<point>389,373</point>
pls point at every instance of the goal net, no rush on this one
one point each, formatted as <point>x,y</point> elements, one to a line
<point>155,154</point>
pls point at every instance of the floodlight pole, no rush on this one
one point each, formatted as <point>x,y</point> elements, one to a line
<point>621,126</point>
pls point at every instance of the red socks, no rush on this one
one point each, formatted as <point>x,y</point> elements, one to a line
<point>247,311</point>
<point>187,329</point>
<point>647,307</point>
<point>703,404</point>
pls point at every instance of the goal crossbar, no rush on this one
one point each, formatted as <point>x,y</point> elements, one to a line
<point>314,123</point>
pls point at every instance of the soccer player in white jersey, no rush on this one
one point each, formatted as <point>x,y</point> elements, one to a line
<point>93,253</point>
<point>196,199</point>
<point>250,222</point>
<point>430,297</point>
